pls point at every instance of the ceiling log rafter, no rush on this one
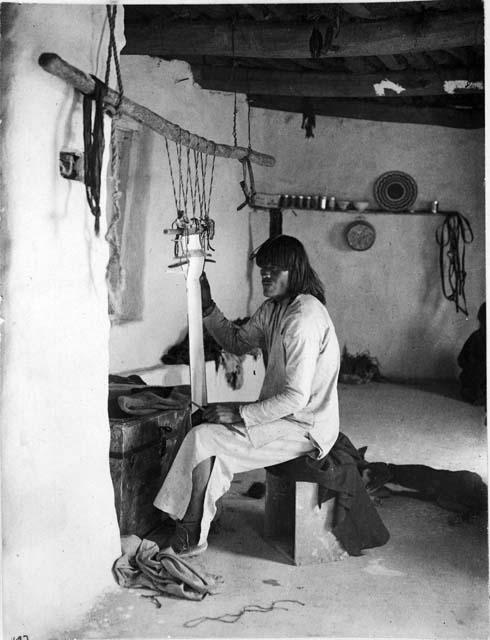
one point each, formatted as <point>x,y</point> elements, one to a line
<point>420,61</point>
<point>371,110</point>
<point>276,40</point>
<point>333,85</point>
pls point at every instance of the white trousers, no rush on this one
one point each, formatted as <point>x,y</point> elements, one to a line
<point>233,453</point>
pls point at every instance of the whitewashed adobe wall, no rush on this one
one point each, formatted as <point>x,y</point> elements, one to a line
<point>59,523</point>
<point>387,300</point>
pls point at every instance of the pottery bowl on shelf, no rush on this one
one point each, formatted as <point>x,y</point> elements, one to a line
<point>361,205</point>
<point>343,204</point>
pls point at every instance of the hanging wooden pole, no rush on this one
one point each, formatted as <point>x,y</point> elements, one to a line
<point>84,83</point>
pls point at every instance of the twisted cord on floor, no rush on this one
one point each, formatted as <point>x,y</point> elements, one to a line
<point>231,618</point>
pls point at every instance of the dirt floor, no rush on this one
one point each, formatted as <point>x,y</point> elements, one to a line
<point>429,581</point>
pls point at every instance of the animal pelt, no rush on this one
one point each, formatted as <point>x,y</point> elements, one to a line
<point>462,492</point>
<point>232,364</point>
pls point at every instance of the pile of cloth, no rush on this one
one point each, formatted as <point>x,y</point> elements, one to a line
<point>159,573</point>
<point>130,396</point>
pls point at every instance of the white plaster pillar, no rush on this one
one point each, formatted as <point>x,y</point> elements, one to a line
<point>59,522</point>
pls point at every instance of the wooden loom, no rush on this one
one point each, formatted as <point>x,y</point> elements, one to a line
<point>195,253</point>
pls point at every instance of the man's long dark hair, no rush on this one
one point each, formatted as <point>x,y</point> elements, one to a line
<point>289,254</point>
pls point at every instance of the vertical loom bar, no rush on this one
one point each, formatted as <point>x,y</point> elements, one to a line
<point>194,316</point>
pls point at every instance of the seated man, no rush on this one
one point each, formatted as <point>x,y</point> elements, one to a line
<point>297,412</point>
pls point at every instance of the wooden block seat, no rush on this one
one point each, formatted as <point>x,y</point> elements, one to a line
<point>296,525</point>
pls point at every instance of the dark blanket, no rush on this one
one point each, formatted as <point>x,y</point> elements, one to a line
<point>472,360</point>
<point>357,524</point>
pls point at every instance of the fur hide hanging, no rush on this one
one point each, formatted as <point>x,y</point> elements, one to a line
<point>232,364</point>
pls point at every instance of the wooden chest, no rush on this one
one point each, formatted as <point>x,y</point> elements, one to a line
<point>141,452</point>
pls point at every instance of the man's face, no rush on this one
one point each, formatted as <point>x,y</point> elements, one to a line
<point>274,281</point>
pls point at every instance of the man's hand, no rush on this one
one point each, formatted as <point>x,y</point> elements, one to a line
<point>206,299</point>
<point>225,414</point>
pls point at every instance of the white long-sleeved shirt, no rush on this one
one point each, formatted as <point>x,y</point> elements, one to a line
<point>302,358</point>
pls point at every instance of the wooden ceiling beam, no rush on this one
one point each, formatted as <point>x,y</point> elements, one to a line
<point>268,40</point>
<point>359,65</point>
<point>369,110</point>
<point>392,63</point>
<point>335,85</point>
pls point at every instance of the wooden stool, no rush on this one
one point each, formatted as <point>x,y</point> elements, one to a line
<point>296,525</point>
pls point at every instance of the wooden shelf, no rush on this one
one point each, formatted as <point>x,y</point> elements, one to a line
<point>269,201</point>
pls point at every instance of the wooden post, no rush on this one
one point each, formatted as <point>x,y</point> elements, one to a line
<point>84,83</point>
<point>275,222</point>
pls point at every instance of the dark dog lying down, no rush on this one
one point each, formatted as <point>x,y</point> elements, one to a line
<point>460,491</point>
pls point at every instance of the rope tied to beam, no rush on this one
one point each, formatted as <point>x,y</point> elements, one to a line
<point>93,131</point>
<point>234,64</point>
<point>112,52</point>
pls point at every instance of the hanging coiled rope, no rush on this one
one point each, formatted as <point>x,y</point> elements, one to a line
<point>452,236</point>
<point>93,141</point>
<point>93,131</point>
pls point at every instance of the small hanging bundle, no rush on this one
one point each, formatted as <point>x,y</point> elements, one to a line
<point>248,183</point>
<point>309,120</point>
<point>452,236</point>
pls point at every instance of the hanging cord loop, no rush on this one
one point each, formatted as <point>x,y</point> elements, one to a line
<point>248,189</point>
<point>93,141</point>
<point>112,52</point>
<point>452,236</point>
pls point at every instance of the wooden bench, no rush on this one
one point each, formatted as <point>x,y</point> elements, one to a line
<point>296,525</point>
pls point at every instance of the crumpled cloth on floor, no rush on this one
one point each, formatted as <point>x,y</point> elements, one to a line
<point>144,566</point>
<point>146,402</point>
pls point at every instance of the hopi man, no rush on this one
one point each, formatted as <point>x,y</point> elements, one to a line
<point>297,411</point>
